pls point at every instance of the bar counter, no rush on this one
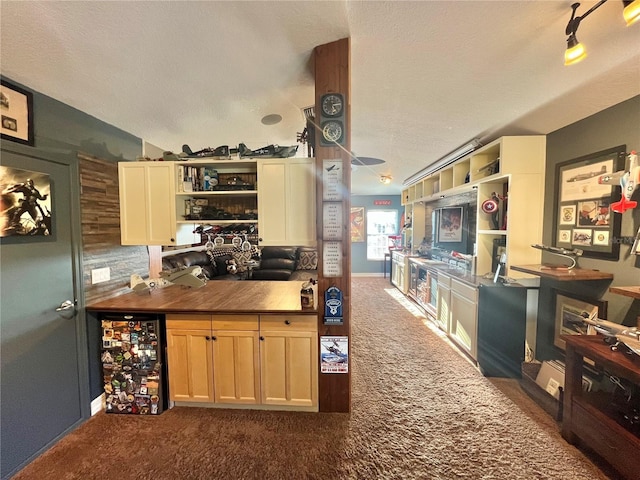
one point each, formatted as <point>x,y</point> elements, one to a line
<point>215,297</point>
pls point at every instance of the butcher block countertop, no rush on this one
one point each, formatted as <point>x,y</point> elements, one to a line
<point>215,297</point>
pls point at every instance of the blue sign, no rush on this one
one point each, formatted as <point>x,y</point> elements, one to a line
<point>333,306</point>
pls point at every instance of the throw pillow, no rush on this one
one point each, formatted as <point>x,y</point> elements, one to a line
<point>308,261</point>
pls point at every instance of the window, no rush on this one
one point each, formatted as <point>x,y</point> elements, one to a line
<point>381,225</point>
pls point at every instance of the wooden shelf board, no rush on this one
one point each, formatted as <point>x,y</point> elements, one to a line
<point>633,292</point>
<point>563,275</point>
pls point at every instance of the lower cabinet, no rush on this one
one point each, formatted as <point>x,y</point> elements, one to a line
<point>443,303</point>
<point>289,360</point>
<point>243,359</point>
<point>464,325</point>
<point>213,358</point>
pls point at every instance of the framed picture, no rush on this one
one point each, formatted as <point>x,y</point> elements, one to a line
<point>26,201</point>
<point>571,309</point>
<point>16,109</point>
<point>450,224</point>
<point>357,224</point>
<point>582,216</point>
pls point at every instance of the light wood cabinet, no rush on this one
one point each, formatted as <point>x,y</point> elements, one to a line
<point>243,359</point>
<point>286,201</point>
<point>236,368</point>
<point>213,359</point>
<point>147,214</point>
<point>289,360</point>
<point>464,324</point>
<point>189,358</point>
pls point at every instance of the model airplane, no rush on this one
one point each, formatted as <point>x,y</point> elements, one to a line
<point>188,277</point>
<point>628,179</point>
<point>587,176</point>
<point>616,334</point>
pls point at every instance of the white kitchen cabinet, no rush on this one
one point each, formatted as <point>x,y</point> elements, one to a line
<point>287,201</point>
<point>464,318</point>
<point>443,303</point>
<point>147,213</point>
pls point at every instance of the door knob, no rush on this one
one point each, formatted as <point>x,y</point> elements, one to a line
<point>66,305</point>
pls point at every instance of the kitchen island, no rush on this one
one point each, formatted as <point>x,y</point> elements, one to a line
<point>233,344</point>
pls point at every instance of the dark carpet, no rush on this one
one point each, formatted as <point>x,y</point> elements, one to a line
<point>419,411</point>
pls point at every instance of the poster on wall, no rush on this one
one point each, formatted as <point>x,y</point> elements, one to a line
<point>450,225</point>
<point>334,354</point>
<point>357,224</point>
<point>16,110</point>
<point>26,203</point>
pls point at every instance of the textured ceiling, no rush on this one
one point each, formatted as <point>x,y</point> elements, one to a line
<point>426,76</point>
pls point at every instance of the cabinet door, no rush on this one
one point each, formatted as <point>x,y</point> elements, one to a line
<point>443,307</point>
<point>286,201</point>
<point>463,322</point>
<point>190,367</point>
<point>147,208</point>
<point>289,368</point>
<point>236,366</point>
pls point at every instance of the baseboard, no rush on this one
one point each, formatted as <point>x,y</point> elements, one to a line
<point>96,405</point>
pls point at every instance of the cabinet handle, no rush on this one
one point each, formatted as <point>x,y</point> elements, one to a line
<point>214,338</point>
<point>262,338</point>
<point>173,240</point>
<point>208,337</point>
<point>287,322</point>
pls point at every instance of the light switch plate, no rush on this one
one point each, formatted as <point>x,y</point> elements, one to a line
<point>99,275</point>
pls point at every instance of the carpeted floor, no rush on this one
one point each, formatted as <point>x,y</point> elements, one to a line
<point>419,411</point>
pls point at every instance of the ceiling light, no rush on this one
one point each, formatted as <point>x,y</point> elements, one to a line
<point>385,179</point>
<point>631,12</point>
<point>575,51</point>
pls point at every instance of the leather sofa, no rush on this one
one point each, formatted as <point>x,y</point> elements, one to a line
<point>274,263</point>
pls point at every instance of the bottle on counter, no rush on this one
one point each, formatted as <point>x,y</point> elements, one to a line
<point>306,295</point>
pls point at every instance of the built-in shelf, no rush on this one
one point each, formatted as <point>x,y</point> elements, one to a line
<point>561,274</point>
<point>633,292</point>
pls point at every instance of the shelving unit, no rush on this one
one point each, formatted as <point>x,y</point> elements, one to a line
<point>513,168</point>
<point>159,207</point>
<point>589,416</point>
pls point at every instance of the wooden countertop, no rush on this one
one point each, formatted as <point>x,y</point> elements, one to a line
<point>215,297</point>
<point>633,292</point>
<point>563,275</point>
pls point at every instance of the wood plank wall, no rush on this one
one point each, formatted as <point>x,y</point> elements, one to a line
<point>100,220</point>
<point>332,74</point>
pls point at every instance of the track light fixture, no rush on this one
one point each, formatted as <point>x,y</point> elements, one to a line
<point>575,51</point>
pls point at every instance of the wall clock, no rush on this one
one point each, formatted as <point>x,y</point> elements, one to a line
<point>332,132</point>
<point>332,121</point>
<point>332,105</point>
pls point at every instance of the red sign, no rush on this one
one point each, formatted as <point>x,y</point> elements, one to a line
<point>382,202</point>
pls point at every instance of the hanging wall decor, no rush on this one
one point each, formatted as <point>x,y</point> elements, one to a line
<point>26,203</point>
<point>583,216</point>
<point>16,109</point>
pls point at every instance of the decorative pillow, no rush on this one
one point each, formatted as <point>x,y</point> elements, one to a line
<point>243,256</point>
<point>212,261</point>
<point>308,260</point>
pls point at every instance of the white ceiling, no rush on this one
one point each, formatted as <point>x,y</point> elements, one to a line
<point>426,76</point>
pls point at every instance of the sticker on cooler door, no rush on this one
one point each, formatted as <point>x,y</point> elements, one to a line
<point>334,354</point>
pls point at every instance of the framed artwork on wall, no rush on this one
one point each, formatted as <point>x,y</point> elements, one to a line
<point>582,216</point>
<point>357,224</point>
<point>570,310</point>
<point>16,109</point>
<point>26,203</point>
<point>450,225</point>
